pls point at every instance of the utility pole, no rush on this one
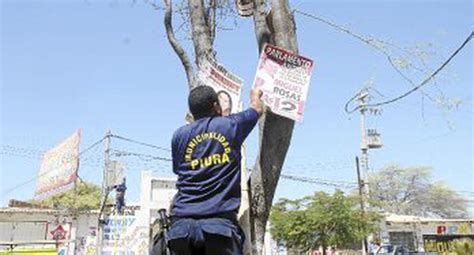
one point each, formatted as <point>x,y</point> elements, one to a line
<point>105,190</point>
<point>362,199</point>
<point>370,139</point>
<point>363,183</point>
<point>363,98</point>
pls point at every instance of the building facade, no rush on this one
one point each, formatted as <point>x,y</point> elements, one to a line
<point>419,234</point>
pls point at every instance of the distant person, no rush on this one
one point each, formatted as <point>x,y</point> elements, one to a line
<point>206,158</point>
<point>120,190</point>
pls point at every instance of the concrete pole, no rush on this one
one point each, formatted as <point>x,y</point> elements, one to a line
<point>105,190</point>
<point>362,200</point>
<point>363,98</point>
<point>364,146</point>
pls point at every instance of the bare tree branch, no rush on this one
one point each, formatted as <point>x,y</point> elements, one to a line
<point>211,19</point>
<point>200,30</point>
<point>377,44</point>
<point>398,63</point>
<point>424,82</point>
<point>183,56</point>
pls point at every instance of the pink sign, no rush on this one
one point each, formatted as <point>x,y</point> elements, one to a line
<point>284,78</point>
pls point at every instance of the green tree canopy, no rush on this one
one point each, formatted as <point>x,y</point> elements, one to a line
<point>411,191</point>
<point>321,220</point>
<point>84,197</point>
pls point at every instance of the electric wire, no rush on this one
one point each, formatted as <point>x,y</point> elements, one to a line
<point>149,157</point>
<point>378,45</point>
<point>332,183</point>
<point>142,156</point>
<point>423,83</point>
<point>140,143</point>
<point>14,151</point>
<point>8,191</point>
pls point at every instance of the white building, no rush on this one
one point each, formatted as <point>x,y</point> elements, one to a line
<point>43,228</point>
<point>156,193</point>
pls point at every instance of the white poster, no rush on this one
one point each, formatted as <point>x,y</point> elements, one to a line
<point>227,85</point>
<point>284,78</point>
<point>124,234</point>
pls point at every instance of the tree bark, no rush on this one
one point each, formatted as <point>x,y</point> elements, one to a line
<point>203,33</point>
<point>200,30</point>
<point>211,19</point>
<point>262,30</point>
<point>275,131</point>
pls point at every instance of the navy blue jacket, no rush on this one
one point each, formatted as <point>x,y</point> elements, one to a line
<point>206,158</point>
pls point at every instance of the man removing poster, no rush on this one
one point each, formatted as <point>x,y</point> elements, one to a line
<point>284,78</point>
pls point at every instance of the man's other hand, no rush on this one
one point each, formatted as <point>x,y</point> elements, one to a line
<point>256,100</point>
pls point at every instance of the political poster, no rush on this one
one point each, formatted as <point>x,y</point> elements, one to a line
<point>125,234</point>
<point>58,170</point>
<point>227,85</point>
<point>284,78</point>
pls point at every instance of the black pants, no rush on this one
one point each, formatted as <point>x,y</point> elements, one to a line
<point>205,236</point>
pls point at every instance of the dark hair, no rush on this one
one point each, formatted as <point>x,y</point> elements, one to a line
<point>201,101</point>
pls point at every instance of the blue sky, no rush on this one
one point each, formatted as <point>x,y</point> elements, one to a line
<point>99,65</point>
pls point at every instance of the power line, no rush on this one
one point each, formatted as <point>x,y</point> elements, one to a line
<point>140,143</point>
<point>148,157</point>
<point>379,46</point>
<point>36,177</point>
<point>337,184</point>
<point>374,43</point>
<point>37,154</point>
<point>428,79</point>
<point>142,156</point>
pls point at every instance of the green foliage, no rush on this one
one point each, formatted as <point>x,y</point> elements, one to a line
<point>411,191</point>
<point>321,220</point>
<point>84,197</point>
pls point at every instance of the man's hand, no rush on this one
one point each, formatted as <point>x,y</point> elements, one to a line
<point>256,100</point>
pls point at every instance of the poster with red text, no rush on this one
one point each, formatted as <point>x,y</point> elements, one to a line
<point>284,78</point>
<point>226,84</point>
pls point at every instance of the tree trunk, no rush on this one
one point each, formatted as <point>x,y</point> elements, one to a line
<point>275,131</point>
<point>201,33</point>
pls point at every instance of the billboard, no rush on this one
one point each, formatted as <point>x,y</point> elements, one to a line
<point>114,173</point>
<point>227,85</point>
<point>284,78</point>
<point>58,170</point>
